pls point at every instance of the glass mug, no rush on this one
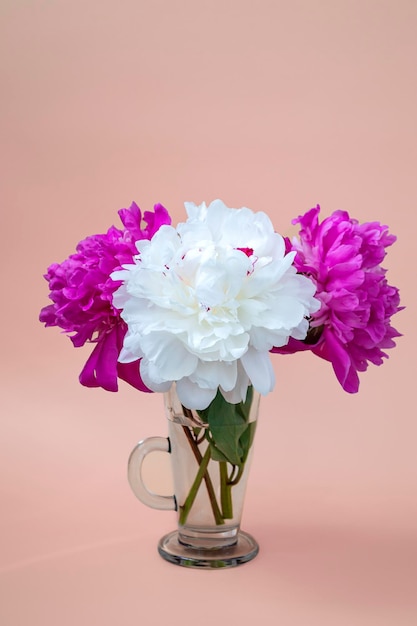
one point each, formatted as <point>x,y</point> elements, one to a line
<point>208,490</point>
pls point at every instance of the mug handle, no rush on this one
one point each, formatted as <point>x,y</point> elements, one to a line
<point>134,473</point>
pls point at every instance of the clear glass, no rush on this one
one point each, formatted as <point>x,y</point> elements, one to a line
<point>209,492</point>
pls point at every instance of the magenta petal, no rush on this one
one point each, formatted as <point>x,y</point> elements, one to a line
<point>293,345</point>
<point>48,315</point>
<point>155,220</point>
<point>131,219</point>
<point>101,368</point>
<point>106,370</point>
<point>330,349</point>
<point>129,372</point>
<point>88,376</point>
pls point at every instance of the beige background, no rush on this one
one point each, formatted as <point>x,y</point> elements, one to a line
<point>273,105</point>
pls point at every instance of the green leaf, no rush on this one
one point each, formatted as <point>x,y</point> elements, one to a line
<point>230,433</point>
<point>247,438</point>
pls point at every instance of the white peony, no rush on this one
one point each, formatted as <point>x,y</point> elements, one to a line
<point>205,302</point>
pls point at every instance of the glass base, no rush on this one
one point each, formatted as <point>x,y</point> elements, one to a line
<point>171,549</point>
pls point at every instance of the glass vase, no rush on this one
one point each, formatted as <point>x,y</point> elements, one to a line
<point>210,462</point>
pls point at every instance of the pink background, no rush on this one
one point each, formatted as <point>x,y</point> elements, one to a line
<point>273,105</point>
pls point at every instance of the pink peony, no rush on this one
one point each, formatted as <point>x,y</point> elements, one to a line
<point>81,291</point>
<point>353,325</point>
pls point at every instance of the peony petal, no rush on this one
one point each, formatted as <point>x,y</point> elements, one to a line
<point>193,396</point>
<point>101,368</point>
<point>332,350</point>
<point>211,374</point>
<point>259,368</point>
<point>240,390</point>
<point>88,373</point>
<point>130,373</point>
<point>149,381</point>
<point>168,355</point>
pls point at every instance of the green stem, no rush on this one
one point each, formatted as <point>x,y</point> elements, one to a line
<point>185,509</point>
<point>238,476</point>
<point>225,491</point>
<point>206,477</point>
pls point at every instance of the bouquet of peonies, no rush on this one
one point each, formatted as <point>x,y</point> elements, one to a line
<point>200,308</point>
<point>204,305</point>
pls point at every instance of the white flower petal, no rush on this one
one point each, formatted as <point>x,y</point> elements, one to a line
<point>193,396</point>
<point>212,374</point>
<point>240,390</point>
<point>195,212</point>
<point>259,368</point>
<point>150,382</point>
<point>131,350</point>
<point>168,355</point>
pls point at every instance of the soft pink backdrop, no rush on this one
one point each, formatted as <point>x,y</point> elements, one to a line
<point>273,105</point>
